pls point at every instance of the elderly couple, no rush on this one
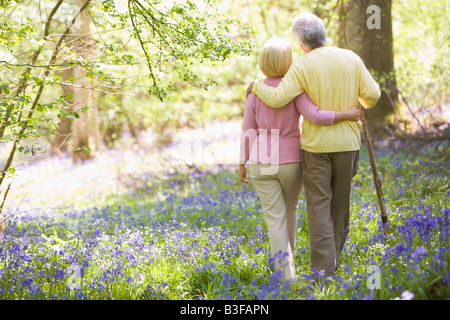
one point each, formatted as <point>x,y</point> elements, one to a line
<point>327,86</point>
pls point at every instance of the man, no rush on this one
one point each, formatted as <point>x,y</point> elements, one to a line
<point>335,79</point>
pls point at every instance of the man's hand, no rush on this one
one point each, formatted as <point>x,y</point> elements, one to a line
<point>250,88</point>
<point>354,113</point>
<point>243,173</point>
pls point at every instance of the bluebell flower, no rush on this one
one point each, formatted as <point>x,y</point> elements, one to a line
<point>420,251</point>
<point>347,268</point>
<point>310,296</point>
<point>59,274</point>
<point>447,279</point>
<point>399,249</point>
<point>26,282</point>
<point>394,270</point>
<point>345,285</point>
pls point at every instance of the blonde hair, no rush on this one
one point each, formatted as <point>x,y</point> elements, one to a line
<point>276,57</point>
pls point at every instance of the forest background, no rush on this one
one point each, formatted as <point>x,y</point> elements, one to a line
<point>98,98</point>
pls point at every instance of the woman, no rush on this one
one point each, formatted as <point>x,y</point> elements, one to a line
<point>273,150</point>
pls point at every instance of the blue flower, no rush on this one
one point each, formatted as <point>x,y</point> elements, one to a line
<point>27,282</point>
<point>399,249</point>
<point>420,251</point>
<point>310,296</point>
<point>346,285</point>
<point>447,279</point>
<point>394,270</point>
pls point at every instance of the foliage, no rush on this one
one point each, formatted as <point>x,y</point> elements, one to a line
<point>168,39</point>
<point>203,236</point>
<point>421,57</point>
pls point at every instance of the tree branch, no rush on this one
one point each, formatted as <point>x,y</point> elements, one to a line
<point>149,65</point>
<point>38,94</point>
<point>33,60</point>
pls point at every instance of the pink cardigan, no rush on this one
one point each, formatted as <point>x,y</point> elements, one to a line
<point>277,131</point>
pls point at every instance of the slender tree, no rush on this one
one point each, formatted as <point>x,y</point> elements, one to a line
<point>81,90</point>
<point>60,140</point>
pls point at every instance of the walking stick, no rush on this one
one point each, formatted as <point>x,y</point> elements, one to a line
<point>376,177</point>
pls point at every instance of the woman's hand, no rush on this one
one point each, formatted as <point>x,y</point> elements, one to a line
<point>243,173</point>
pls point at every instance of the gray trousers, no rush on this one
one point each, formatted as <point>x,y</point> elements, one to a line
<point>327,179</point>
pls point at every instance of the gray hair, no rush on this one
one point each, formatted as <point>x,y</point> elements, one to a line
<point>309,30</point>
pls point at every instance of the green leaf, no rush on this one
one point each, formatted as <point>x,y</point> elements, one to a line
<point>5,88</point>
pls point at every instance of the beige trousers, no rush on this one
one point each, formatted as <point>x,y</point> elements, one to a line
<point>278,188</point>
<point>327,179</point>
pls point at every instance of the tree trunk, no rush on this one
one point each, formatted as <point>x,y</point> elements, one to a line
<point>366,28</point>
<point>60,142</point>
<point>80,90</point>
<point>96,120</point>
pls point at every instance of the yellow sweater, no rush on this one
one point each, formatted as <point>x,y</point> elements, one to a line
<point>335,80</point>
